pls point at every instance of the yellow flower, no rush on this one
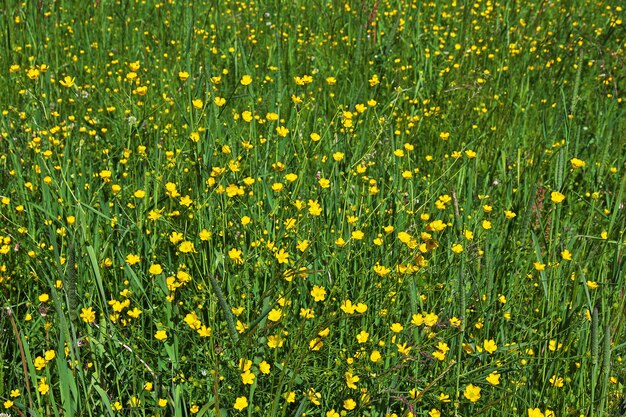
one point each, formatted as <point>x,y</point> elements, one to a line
<point>493,378</point>
<point>403,349</point>
<point>490,346</point>
<point>566,255</point>
<point>351,380</point>
<point>318,293</point>
<point>160,335</point>
<point>42,387</point>
<point>313,396</point>
<point>247,116</point>
<point>302,245</point>
<point>349,404</point>
<point>183,75</point>
<point>241,327</point>
<point>219,101</point>
<point>247,378</point>
<point>39,363</point>
<point>134,313</point>
<point>316,344</point>
<point>282,257</point>
<point>155,269</point>
<point>472,393</point>
<point>361,308</point>
<point>8,404</point>
<point>362,337</point>
<point>142,90</point>
<point>235,256</point>
<point>274,341</point>
<point>274,315</point>
<point>439,355</point>
<point>32,73</point>
<point>197,103</point>
<point>431,319</point>
<point>397,327</point>
<point>324,183</point>
<point>67,82</point>
<point>556,381</point>
<point>535,412</point>
<point>132,259</point>
<point>457,248</point>
<point>443,346</point>
<point>246,80</point>
<point>436,226</point>
<point>314,208</point>
<point>264,367</point>
<point>282,131</point>
<point>240,403</point>
<point>347,307</point>
<point>44,298</point>
<point>204,331</point>
<point>357,235</point>
<point>154,215</point>
<point>324,333</point>
<point>186,247</point>
<point>577,163</point>
<point>553,345</point>
<point>304,80</point>
<point>375,356</point>
<point>557,197</point>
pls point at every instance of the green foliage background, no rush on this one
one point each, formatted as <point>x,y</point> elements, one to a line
<point>408,156</point>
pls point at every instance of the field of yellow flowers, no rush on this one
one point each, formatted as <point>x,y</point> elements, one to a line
<point>313,208</point>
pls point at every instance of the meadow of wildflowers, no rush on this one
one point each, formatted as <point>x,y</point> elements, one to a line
<point>313,208</point>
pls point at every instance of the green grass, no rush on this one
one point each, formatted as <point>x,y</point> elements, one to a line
<point>312,208</point>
